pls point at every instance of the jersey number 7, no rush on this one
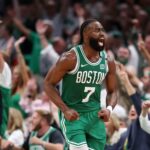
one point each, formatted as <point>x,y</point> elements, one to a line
<point>90,91</point>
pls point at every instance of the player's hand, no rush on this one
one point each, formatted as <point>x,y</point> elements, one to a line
<point>71,115</point>
<point>104,114</point>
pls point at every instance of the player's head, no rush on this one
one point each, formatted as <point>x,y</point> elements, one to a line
<point>92,33</point>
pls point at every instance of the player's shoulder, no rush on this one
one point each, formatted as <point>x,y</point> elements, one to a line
<point>69,55</point>
<point>67,60</point>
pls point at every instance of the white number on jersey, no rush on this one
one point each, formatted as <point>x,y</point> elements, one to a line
<point>90,91</point>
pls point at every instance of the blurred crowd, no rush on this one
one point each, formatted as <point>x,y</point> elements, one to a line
<point>34,33</point>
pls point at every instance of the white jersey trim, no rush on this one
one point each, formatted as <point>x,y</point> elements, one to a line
<point>86,59</point>
<point>82,147</point>
<point>64,129</point>
<point>77,63</point>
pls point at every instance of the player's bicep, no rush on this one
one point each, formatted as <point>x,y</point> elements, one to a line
<point>65,64</point>
<point>111,80</point>
<point>55,74</point>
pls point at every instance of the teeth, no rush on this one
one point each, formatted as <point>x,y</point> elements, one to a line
<point>100,43</point>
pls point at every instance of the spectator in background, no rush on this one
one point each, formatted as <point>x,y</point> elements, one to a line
<point>6,38</point>
<point>20,77</point>
<point>144,117</point>
<point>130,139</point>
<point>121,114</point>
<point>142,17</point>
<point>5,91</point>
<point>116,126</point>
<point>48,54</point>
<point>14,133</point>
<point>50,8</point>
<point>59,45</point>
<point>112,127</point>
<point>43,135</point>
<point>42,27</point>
<point>123,56</point>
<point>95,8</point>
<point>147,42</point>
<point>144,46</point>
<point>29,96</point>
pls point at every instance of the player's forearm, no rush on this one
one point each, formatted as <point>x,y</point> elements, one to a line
<point>111,99</point>
<point>54,97</point>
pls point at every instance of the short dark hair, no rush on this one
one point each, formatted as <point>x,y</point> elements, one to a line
<point>83,26</point>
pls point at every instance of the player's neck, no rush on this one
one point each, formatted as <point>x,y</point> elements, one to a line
<point>90,52</point>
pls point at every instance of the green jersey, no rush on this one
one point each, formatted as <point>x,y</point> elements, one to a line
<point>81,87</point>
<point>45,138</point>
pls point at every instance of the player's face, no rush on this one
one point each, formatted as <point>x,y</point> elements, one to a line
<point>96,36</point>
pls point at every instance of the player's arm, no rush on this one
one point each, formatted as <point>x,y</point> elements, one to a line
<point>111,84</point>
<point>65,63</point>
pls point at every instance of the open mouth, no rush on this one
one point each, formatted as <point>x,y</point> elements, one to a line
<point>101,41</point>
<point>133,114</point>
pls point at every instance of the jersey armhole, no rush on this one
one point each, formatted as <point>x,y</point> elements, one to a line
<point>77,63</point>
<point>104,54</point>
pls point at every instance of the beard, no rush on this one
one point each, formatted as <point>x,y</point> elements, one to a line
<point>95,44</point>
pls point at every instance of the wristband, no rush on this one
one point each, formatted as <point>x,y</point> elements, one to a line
<point>110,108</point>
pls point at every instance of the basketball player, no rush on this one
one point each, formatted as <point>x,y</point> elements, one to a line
<point>82,71</point>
